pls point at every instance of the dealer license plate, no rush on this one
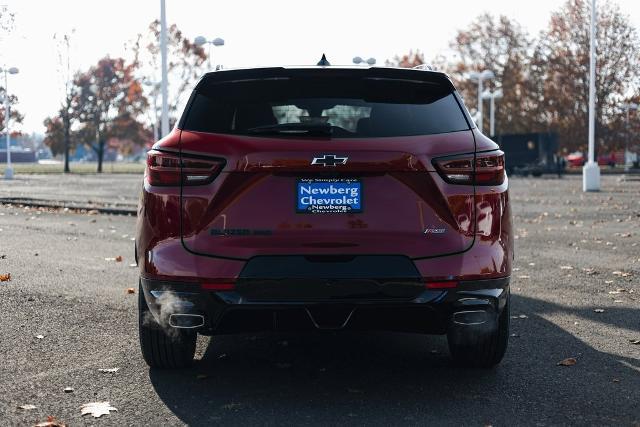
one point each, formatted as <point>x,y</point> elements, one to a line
<point>330,195</point>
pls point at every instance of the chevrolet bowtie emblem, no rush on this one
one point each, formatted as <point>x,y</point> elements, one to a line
<point>329,160</point>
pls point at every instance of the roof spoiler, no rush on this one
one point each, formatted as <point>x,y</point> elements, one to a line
<point>423,67</point>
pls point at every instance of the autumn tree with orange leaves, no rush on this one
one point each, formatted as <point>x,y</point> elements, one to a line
<point>109,104</point>
<point>560,74</point>
<point>545,79</point>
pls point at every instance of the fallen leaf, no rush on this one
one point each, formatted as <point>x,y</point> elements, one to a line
<point>119,258</point>
<point>39,336</point>
<point>621,274</point>
<point>97,409</point>
<point>68,389</point>
<point>27,407</point>
<point>51,422</point>
<point>569,361</point>
<point>109,370</point>
<point>5,277</point>
<point>634,342</point>
<point>599,310</point>
<point>131,291</point>
<point>566,267</point>
<point>524,277</point>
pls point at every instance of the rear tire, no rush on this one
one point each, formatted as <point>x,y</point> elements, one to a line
<point>161,349</point>
<point>481,350</point>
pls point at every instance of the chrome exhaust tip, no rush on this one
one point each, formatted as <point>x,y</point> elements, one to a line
<point>186,321</point>
<point>471,317</point>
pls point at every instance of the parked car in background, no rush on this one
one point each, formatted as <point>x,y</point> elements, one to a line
<point>611,159</point>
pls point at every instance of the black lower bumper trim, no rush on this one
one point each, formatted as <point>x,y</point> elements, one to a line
<point>431,312</point>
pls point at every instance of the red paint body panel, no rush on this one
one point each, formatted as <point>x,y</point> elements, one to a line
<point>261,173</point>
<point>402,195</point>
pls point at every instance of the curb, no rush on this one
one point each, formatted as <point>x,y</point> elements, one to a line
<point>61,204</point>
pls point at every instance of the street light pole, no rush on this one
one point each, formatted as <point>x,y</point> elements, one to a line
<point>492,96</point>
<point>201,40</point>
<point>8,172</point>
<point>591,171</point>
<point>358,60</point>
<point>480,77</point>
<point>165,83</point>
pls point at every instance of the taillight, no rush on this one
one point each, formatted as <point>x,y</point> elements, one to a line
<point>487,170</point>
<point>445,284</point>
<point>166,169</point>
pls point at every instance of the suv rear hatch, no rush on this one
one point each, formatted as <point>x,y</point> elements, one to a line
<point>323,161</point>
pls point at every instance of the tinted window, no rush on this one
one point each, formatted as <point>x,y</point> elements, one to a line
<point>352,107</point>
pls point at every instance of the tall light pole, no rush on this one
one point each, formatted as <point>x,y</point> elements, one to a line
<point>201,41</point>
<point>165,82</point>
<point>8,172</point>
<point>358,60</point>
<point>627,107</point>
<point>480,77</point>
<point>591,171</point>
<point>492,96</point>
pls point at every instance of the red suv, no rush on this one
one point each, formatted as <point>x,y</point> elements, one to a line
<point>324,198</point>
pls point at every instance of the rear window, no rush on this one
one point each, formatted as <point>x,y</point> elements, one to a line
<point>348,107</point>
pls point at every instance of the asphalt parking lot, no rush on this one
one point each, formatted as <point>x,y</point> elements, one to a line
<point>66,314</point>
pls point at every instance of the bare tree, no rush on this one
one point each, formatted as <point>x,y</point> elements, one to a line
<point>7,25</point>
<point>560,72</point>
<point>65,75</point>
<point>185,67</point>
<point>502,46</point>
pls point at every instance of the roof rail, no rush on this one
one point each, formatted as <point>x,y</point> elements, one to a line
<point>423,67</point>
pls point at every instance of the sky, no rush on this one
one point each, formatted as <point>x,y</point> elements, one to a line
<point>262,32</point>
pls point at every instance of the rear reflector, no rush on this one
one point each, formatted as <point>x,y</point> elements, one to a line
<point>488,168</point>
<point>168,169</point>
<point>441,285</point>
<point>218,286</point>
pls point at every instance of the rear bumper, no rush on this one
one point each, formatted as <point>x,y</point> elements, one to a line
<point>429,311</point>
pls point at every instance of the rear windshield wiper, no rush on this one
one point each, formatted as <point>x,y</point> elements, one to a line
<point>293,129</point>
